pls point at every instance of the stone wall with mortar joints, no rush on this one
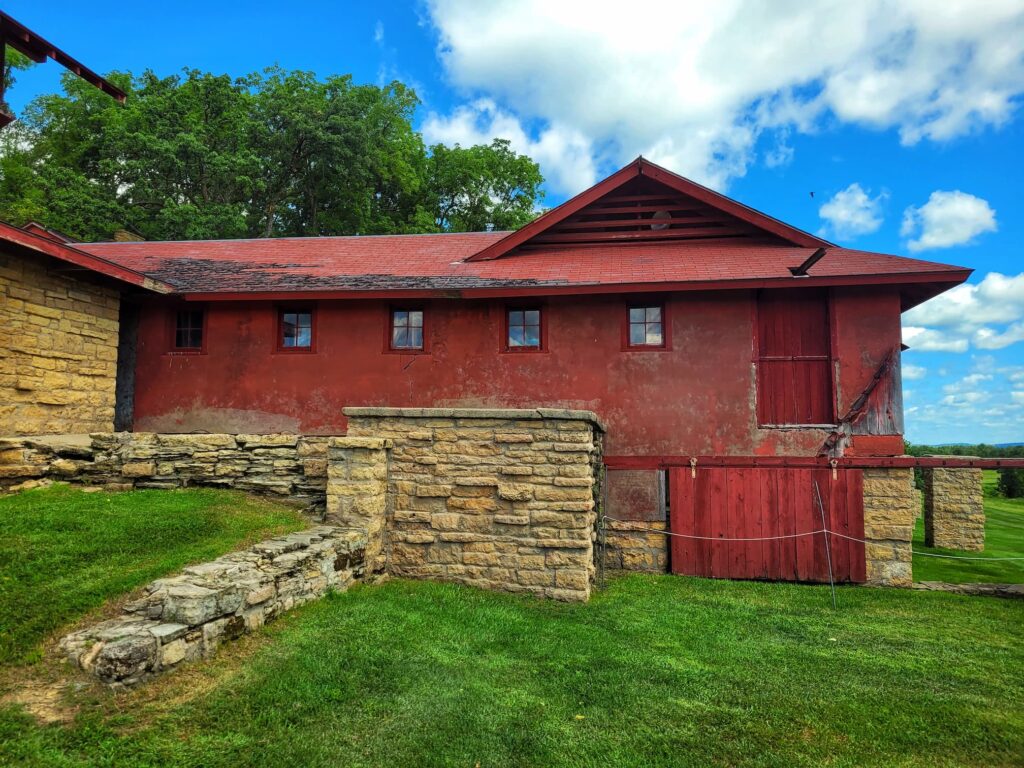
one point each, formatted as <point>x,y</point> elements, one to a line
<point>636,546</point>
<point>58,351</point>
<point>357,491</point>
<point>954,511</point>
<point>890,509</point>
<point>500,499</point>
<point>289,466</point>
<point>186,617</point>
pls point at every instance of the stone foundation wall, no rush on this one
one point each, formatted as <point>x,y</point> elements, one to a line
<point>290,466</point>
<point>58,351</point>
<point>187,617</point>
<point>501,499</point>
<point>890,509</point>
<point>954,511</point>
<point>633,546</point>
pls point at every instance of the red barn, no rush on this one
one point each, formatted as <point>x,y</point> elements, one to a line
<point>691,324</point>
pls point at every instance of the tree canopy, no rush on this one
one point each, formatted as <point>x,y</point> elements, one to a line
<point>277,153</point>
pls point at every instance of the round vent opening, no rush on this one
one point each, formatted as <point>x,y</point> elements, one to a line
<point>662,220</point>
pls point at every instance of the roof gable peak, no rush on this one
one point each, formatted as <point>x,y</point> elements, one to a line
<point>645,203</point>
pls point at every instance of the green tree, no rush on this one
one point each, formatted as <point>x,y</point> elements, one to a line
<point>472,188</point>
<point>1011,483</point>
<point>13,61</point>
<point>276,153</point>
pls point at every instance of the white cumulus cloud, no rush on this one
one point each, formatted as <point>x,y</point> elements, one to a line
<point>564,154</point>
<point>947,219</point>
<point>913,373</point>
<point>696,85</point>
<point>852,212</point>
<point>986,315</point>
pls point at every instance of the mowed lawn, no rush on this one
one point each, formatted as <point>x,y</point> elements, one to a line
<point>64,552</point>
<point>655,670</point>
<point>1004,537</point>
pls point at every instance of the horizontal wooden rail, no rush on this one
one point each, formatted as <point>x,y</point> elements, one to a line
<point>810,462</point>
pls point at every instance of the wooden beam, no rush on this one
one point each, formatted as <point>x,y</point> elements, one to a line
<point>677,207</point>
<point>811,462</point>
<point>662,234</point>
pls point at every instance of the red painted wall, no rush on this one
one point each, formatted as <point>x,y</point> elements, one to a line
<point>696,398</point>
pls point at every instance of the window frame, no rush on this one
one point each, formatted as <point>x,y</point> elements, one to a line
<point>829,358</point>
<point>389,329</point>
<point>666,327</point>
<point>172,330</point>
<point>280,311</point>
<point>508,309</point>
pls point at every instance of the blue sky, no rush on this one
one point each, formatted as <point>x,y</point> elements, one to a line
<point>904,120</point>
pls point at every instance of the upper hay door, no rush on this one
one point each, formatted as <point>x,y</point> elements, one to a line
<point>646,204</point>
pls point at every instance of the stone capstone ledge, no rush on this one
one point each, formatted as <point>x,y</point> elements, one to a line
<point>477,413</point>
<point>187,617</point>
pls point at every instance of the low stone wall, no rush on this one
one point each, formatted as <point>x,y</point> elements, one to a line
<point>500,499</point>
<point>187,617</point>
<point>954,511</point>
<point>636,546</point>
<point>890,509</point>
<point>284,465</point>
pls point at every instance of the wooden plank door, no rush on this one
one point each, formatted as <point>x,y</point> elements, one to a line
<point>743,523</point>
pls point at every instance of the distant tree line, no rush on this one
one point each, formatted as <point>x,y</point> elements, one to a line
<point>276,153</point>
<point>1011,481</point>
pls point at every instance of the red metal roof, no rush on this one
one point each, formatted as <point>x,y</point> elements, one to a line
<point>438,264</point>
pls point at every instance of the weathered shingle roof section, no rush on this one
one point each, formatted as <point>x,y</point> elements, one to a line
<point>438,263</point>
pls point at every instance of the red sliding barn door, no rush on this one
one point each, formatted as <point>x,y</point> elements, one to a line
<point>756,504</point>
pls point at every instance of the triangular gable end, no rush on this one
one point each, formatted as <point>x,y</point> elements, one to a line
<point>644,203</point>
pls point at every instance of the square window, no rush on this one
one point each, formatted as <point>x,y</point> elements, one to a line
<point>296,330</point>
<point>407,329</point>
<point>524,329</point>
<point>646,328</point>
<point>188,330</point>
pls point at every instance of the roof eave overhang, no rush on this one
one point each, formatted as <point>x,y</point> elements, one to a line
<point>63,252</point>
<point>926,284</point>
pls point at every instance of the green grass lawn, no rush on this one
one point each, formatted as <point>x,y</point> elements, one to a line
<point>1004,537</point>
<point>64,552</point>
<point>655,670</point>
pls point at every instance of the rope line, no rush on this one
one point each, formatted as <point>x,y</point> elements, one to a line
<point>791,536</point>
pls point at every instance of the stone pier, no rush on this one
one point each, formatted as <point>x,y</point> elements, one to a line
<point>954,512</point>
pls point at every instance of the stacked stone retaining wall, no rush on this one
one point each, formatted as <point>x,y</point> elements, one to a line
<point>187,617</point>
<point>289,466</point>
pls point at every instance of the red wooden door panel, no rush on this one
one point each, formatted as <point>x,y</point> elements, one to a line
<point>743,523</point>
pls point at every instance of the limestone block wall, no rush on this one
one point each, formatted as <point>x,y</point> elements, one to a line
<point>58,351</point>
<point>954,512</point>
<point>501,499</point>
<point>357,490</point>
<point>290,466</point>
<point>636,546</point>
<point>890,509</point>
<point>187,617</point>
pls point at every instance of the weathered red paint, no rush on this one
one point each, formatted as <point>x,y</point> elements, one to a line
<point>769,507</point>
<point>699,397</point>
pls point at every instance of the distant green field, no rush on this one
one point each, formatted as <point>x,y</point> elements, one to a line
<point>1004,537</point>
